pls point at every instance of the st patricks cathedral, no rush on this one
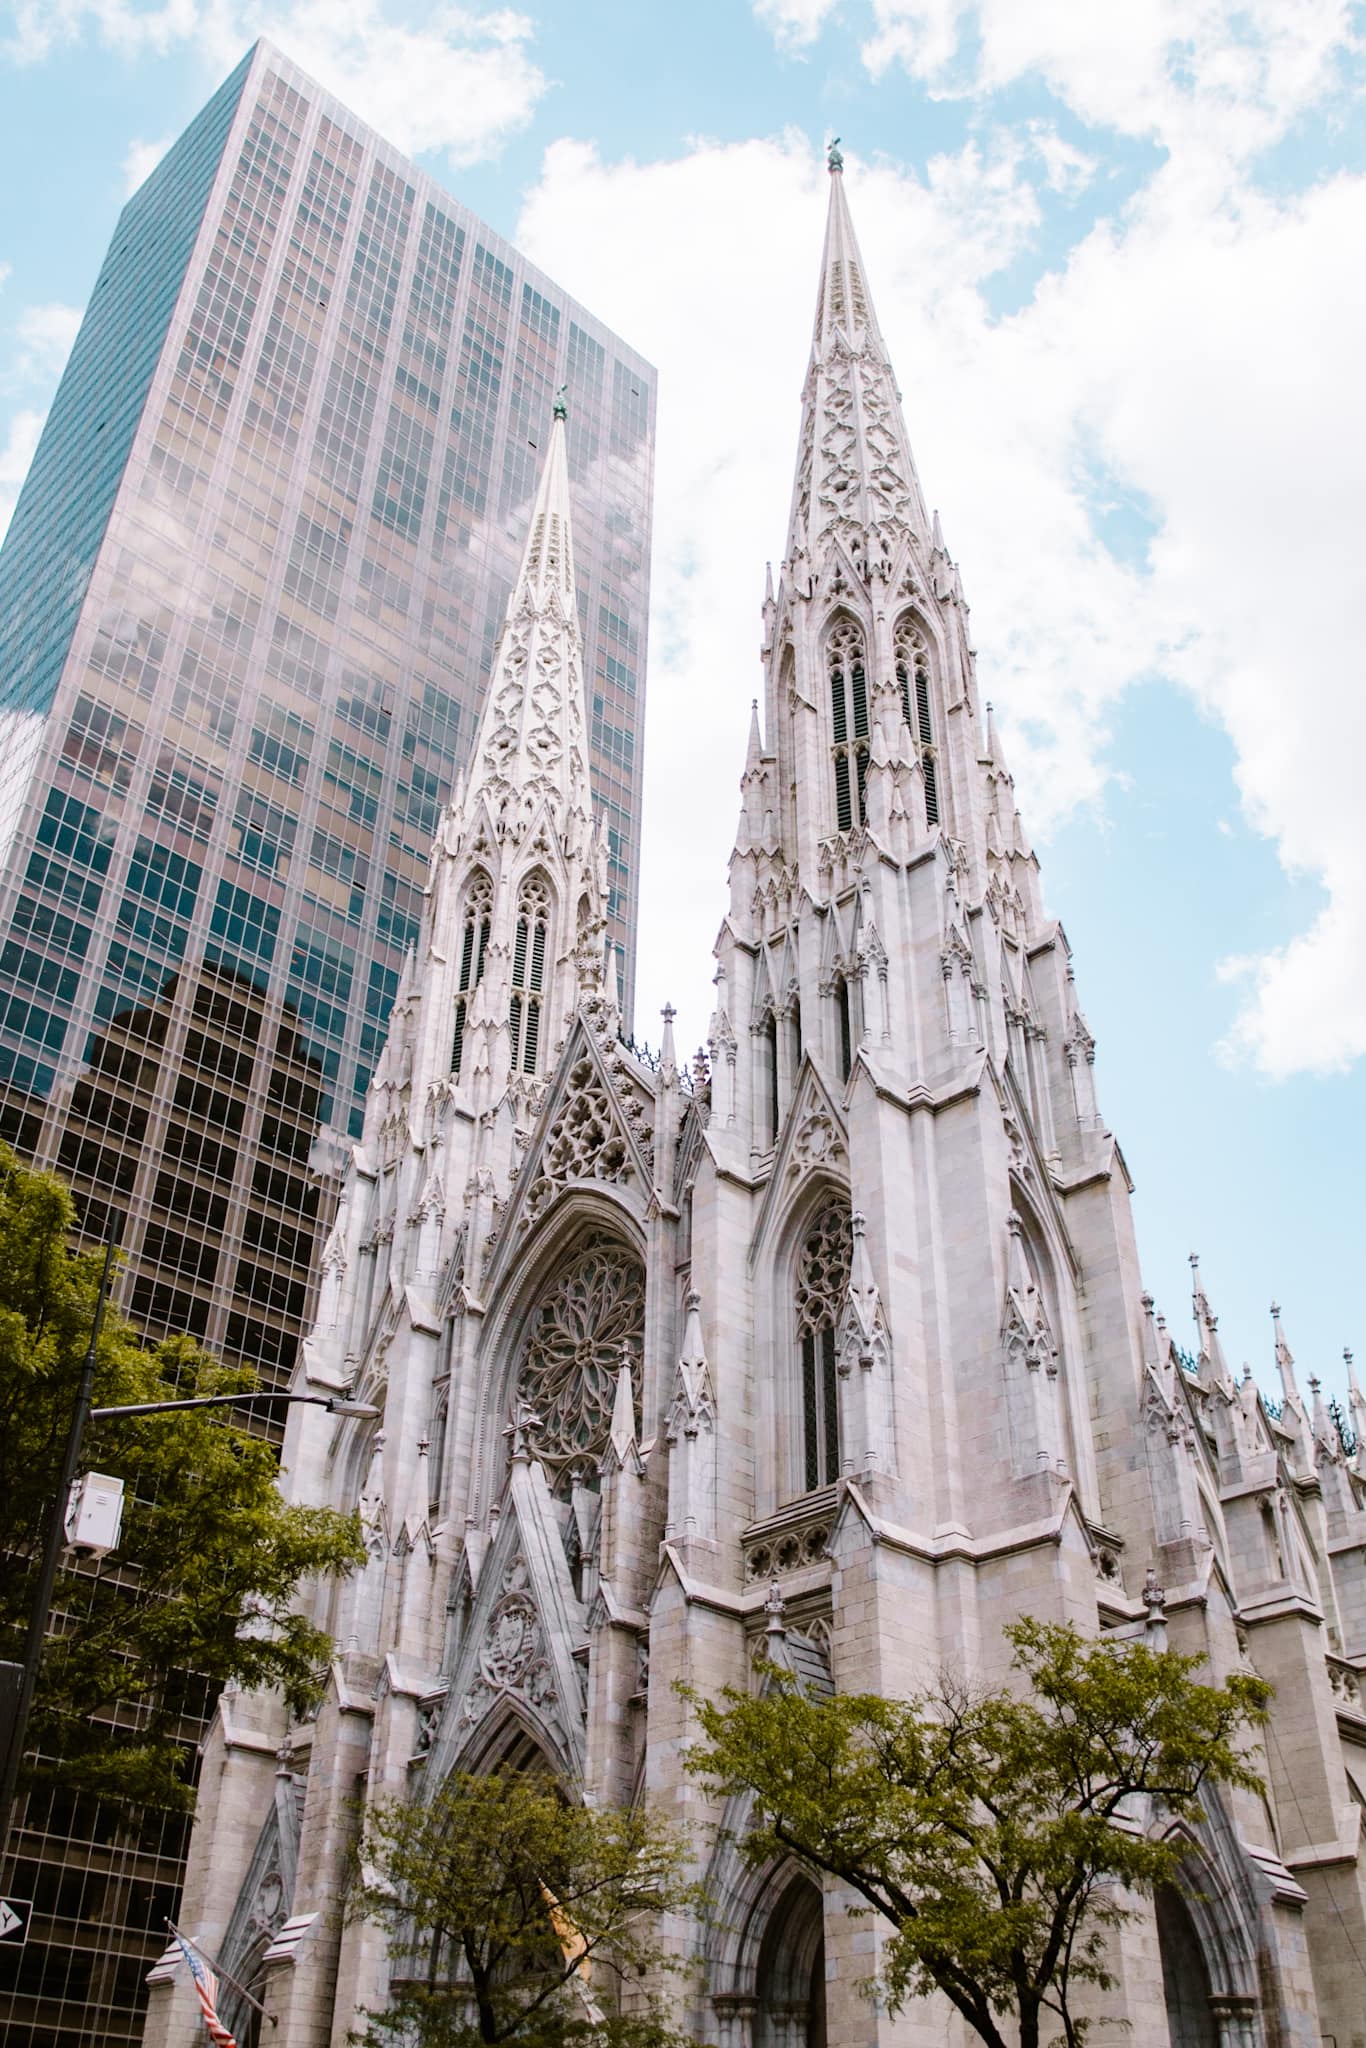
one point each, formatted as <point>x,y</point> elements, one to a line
<point>835,1344</point>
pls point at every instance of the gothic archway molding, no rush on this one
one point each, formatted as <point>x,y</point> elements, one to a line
<point>764,1945</point>
<point>1217,1891</point>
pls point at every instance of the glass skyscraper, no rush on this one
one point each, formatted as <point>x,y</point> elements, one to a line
<point>248,603</point>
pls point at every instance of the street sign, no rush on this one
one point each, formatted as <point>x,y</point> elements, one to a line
<point>15,1915</point>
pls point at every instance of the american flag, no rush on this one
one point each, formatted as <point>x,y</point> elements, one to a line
<point>206,1985</point>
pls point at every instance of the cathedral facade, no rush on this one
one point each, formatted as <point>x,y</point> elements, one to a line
<point>831,1346</point>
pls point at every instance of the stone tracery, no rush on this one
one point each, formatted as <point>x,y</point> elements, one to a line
<point>592,1314</point>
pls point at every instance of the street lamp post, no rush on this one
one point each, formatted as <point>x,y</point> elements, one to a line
<point>54,1529</point>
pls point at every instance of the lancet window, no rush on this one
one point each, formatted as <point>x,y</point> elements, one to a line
<point>913,680</point>
<point>591,1316</point>
<point>844,1011</point>
<point>474,944</point>
<point>822,1288</point>
<point>528,973</point>
<point>847,670</point>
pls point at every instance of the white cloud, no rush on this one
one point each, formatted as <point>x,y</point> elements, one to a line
<point>44,334</point>
<point>458,80</point>
<point>1200,351</point>
<point>1199,75</point>
<point>795,23</point>
<point>15,457</point>
<point>141,158</point>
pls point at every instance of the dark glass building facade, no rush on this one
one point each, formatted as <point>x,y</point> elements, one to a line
<point>248,604</point>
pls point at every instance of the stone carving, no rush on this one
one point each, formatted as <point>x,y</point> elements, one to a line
<point>823,1268</point>
<point>816,1142</point>
<point>592,1312</point>
<point>774,1556</point>
<point>585,1142</point>
<point>513,1656</point>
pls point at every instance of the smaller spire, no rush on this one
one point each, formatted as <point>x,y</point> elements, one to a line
<point>755,752</point>
<point>668,1057</point>
<point>937,536</point>
<point>624,1409</point>
<point>1285,1357</point>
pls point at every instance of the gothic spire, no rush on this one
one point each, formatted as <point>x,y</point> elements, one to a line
<point>856,478</point>
<point>531,738</point>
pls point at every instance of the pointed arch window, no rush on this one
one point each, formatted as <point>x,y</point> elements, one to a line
<point>474,943</point>
<point>913,681</point>
<point>847,670</point>
<point>528,973</point>
<point>822,1288</point>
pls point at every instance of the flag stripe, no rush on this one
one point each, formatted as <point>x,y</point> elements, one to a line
<point>206,1986</point>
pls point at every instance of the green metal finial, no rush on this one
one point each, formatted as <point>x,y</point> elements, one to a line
<point>833,157</point>
<point>562,403</point>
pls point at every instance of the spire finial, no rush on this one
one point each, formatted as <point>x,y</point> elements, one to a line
<point>561,408</point>
<point>834,157</point>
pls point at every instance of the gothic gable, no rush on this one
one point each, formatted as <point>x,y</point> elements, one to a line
<point>266,1893</point>
<point>814,1140</point>
<point>513,1645</point>
<point>592,1130</point>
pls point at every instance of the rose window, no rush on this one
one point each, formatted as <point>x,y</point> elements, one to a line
<point>592,1313</point>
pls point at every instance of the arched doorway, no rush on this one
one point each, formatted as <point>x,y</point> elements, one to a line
<point>790,1976</point>
<point>1185,1979</point>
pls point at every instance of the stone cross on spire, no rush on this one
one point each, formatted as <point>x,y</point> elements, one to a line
<point>856,477</point>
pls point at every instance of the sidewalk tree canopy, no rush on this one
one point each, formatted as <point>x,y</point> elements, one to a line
<point>514,1914</point>
<point>201,1590</point>
<point>997,1829</point>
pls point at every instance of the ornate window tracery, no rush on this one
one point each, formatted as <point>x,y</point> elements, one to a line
<point>913,680</point>
<point>822,1286</point>
<point>528,973</point>
<point>474,945</point>
<point>591,1316</point>
<point>847,670</point>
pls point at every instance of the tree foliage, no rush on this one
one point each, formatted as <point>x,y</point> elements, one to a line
<point>207,1545</point>
<point>514,1915</point>
<point>994,1829</point>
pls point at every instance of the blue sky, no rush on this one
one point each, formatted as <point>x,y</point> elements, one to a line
<point>1116,253</point>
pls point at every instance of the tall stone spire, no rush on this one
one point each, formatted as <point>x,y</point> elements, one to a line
<point>513,939</point>
<point>856,479</point>
<point>530,747</point>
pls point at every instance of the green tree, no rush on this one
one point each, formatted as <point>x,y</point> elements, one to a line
<point>992,1828</point>
<point>210,1558</point>
<point>514,1915</point>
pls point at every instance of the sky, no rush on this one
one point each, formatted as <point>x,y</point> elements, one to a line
<point>1117,254</point>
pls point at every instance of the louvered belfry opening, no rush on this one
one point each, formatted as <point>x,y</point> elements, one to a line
<point>913,680</point>
<point>474,943</point>
<point>847,670</point>
<point>528,974</point>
